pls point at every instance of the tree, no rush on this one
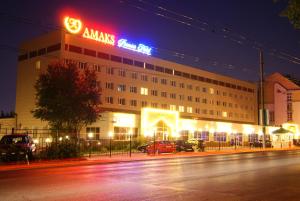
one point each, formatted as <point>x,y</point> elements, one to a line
<point>66,97</point>
<point>292,12</point>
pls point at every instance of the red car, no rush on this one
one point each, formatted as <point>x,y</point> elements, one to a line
<point>161,147</point>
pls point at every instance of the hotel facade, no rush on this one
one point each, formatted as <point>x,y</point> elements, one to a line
<point>140,94</point>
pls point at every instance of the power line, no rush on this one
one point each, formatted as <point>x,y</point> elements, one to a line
<point>225,32</point>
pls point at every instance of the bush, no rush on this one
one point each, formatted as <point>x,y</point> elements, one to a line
<point>65,149</point>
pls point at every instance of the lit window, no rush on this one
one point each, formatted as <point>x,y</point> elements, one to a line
<point>211,91</point>
<point>38,65</point>
<point>189,109</point>
<point>121,101</point>
<point>144,91</point>
<point>173,107</point>
<point>181,108</point>
<point>224,114</point>
<point>121,87</point>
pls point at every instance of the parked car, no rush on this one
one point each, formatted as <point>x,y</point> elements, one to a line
<point>182,145</point>
<point>16,147</point>
<point>161,147</point>
<point>142,148</point>
<point>260,144</point>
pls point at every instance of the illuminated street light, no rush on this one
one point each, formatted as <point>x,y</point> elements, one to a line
<point>67,137</point>
<point>90,135</point>
<point>36,141</point>
<point>48,140</point>
<point>60,138</point>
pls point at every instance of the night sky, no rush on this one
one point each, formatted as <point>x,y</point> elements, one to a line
<point>215,41</point>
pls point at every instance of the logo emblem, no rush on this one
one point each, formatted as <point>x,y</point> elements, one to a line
<point>73,25</point>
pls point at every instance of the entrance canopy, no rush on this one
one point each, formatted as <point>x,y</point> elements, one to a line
<point>151,118</point>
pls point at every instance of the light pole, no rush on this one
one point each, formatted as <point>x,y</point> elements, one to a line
<point>130,135</point>
<point>90,136</point>
<point>154,147</point>
<point>110,135</point>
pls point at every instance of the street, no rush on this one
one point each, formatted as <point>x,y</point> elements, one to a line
<point>248,176</point>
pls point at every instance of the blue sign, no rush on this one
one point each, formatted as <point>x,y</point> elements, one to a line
<point>137,48</point>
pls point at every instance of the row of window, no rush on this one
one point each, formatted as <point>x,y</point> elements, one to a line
<point>164,94</point>
<point>140,64</point>
<point>180,108</point>
<point>39,52</point>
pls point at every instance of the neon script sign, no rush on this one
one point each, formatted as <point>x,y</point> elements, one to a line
<point>137,48</point>
<point>74,26</point>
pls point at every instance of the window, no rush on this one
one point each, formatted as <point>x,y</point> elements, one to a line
<point>224,104</point>
<point>72,48</point>
<point>181,85</point>
<point>201,135</point>
<point>204,90</point>
<point>149,66</point>
<point>173,95</point>
<point>133,89</point>
<point>121,87</point>
<point>144,104</point>
<point>127,61</point>
<point>82,65</point>
<point>57,47</point>
<point>97,68</point>
<point>154,105</point>
<point>211,91</point>
<point>163,81</point>
<point>122,72</point>
<point>109,85</point>
<point>116,58</point>
<point>164,106</point>
<point>173,107</point>
<point>109,71</point>
<point>159,69</point>
<point>144,77</point>
<point>189,86</point>
<point>189,109</point>
<point>204,100</point>
<point>89,52</point>
<point>154,92</point>
<point>197,100</point>
<point>38,65</point>
<point>121,101</point>
<point>224,114</point>
<point>134,75</point>
<point>144,91</point>
<point>197,110</point>
<point>154,79</point>
<point>109,100</point>
<point>32,54</point>
<point>102,55</point>
<point>42,51</point>
<point>95,131</point>
<point>219,136</point>
<point>139,64</point>
<point>181,97</point>
<point>190,98</point>
<point>133,103</point>
<point>164,94</point>
<point>173,83</point>
<point>181,108</point>
<point>169,71</point>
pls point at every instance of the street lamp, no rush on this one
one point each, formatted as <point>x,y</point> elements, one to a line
<point>130,135</point>
<point>154,138</point>
<point>110,135</point>
<point>90,136</point>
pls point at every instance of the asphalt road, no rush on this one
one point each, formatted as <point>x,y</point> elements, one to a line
<point>251,176</point>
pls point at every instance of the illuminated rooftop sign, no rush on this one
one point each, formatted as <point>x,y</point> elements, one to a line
<point>138,48</point>
<point>75,26</point>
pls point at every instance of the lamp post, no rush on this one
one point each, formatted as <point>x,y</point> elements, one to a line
<point>154,147</point>
<point>110,135</point>
<point>90,136</point>
<point>130,135</point>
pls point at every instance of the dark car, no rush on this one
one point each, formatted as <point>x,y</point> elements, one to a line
<point>142,148</point>
<point>260,144</point>
<point>182,145</point>
<point>16,147</point>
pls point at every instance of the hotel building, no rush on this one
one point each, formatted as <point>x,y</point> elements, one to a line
<point>140,94</point>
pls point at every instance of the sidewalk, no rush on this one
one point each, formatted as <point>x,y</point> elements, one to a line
<point>124,158</point>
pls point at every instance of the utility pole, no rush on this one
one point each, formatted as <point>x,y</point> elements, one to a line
<point>262,98</point>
